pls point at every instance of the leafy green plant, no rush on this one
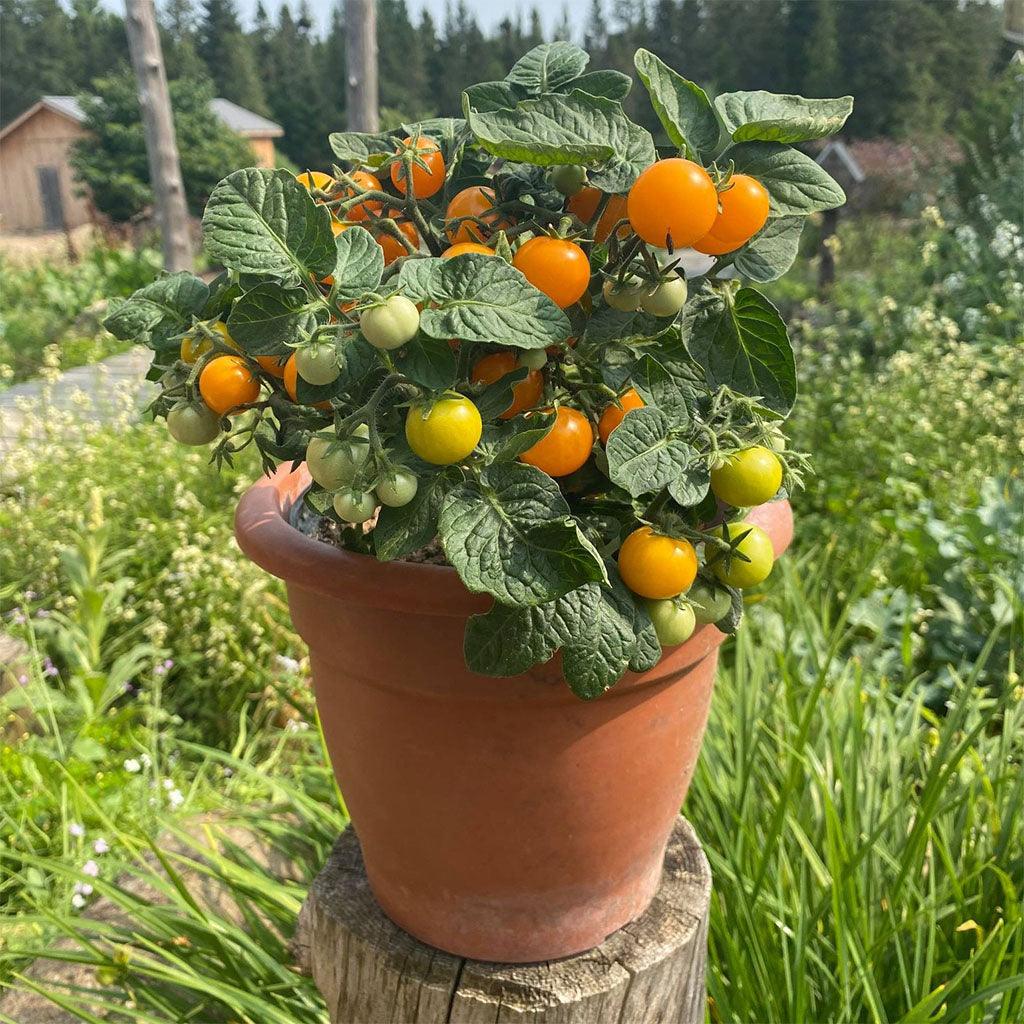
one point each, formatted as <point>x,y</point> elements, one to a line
<point>354,337</point>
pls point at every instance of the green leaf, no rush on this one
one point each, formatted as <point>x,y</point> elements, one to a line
<point>674,395</point>
<point>360,363</point>
<point>497,397</point>
<point>607,326</point>
<point>730,622</point>
<point>158,312</point>
<point>488,96</point>
<point>510,534</point>
<point>743,344</point>
<point>359,265</point>
<point>772,251</point>
<point>771,117</point>
<point>646,452</point>
<point>683,108</point>
<point>503,442</point>
<point>795,183</point>
<point>416,277</point>
<point>401,531</point>
<point>690,487</point>
<point>547,67</point>
<point>365,149</point>
<point>428,361</point>
<point>264,222</point>
<point>612,85</point>
<point>269,320</point>
<point>483,299</point>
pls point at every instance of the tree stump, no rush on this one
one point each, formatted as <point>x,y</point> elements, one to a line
<point>369,971</point>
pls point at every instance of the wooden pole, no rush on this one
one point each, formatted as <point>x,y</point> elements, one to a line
<point>158,123</point>
<point>652,971</point>
<point>361,59</point>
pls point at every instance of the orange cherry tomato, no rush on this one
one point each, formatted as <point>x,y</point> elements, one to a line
<point>565,447</point>
<point>291,382</point>
<point>655,566</point>
<point>525,395</point>
<point>476,201</point>
<point>557,267</point>
<point>371,208</point>
<point>425,181</point>
<point>673,201</point>
<point>584,205</point>
<point>744,212</point>
<point>393,249</point>
<point>226,383</point>
<point>274,365</point>
<point>315,179</point>
<point>463,247</point>
<point>616,413</point>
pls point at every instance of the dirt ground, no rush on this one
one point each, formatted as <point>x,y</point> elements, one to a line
<point>24,249</point>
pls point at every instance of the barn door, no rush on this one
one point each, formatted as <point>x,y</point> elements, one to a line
<point>49,189</point>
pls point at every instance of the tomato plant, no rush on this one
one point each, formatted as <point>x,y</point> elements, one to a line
<point>479,331</point>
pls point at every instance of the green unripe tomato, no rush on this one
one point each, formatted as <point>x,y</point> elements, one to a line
<point>534,358</point>
<point>358,447</point>
<point>568,178</point>
<point>748,478</point>
<point>399,489</point>
<point>756,546</point>
<point>193,424</point>
<point>625,297</point>
<point>709,604</point>
<point>355,507</point>
<point>317,364</point>
<point>391,324</point>
<point>666,299</point>
<point>674,621</point>
<point>330,463</point>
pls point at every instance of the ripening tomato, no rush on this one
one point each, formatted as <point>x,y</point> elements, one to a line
<point>393,249</point>
<point>318,364</point>
<point>565,447</point>
<point>195,344</point>
<point>461,248</point>
<point>673,621</point>
<point>616,413</point>
<point>755,547</point>
<point>709,604</point>
<point>445,432</point>
<point>425,180</point>
<point>355,506</point>
<point>557,267</point>
<point>744,211</point>
<point>656,566</point>
<point>397,489</point>
<point>226,383</point>
<point>673,203</point>
<point>291,382</point>
<point>367,182</point>
<point>525,395</point>
<point>193,424</point>
<point>584,205</point>
<point>315,180</point>
<point>666,299</point>
<point>476,201</point>
<point>274,365</point>
<point>750,477</point>
<point>391,323</point>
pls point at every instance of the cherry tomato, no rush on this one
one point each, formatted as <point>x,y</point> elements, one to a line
<point>557,267</point>
<point>656,566</point>
<point>195,344</point>
<point>756,546</point>
<point>584,205</point>
<point>425,181</point>
<point>666,299</point>
<point>533,358</point>
<point>525,395</point>
<point>750,477</point>
<point>476,201</point>
<point>625,296</point>
<point>330,462</point>
<point>744,211</point>
<point>317,364</point>
<point>568,178</point>
<point>337,226</point>
<point>391,324</point>
<point>315,180</point>
<point>673,201</point>
<point>615,413</point>
<point>674,621</point>
<point>366,182</point>
<point>565,447</point>
<point>193,424</point>
<point>710,604</point>
<point>291,382</point>
<point>274,365</point>
<point>393,249</point>
<point>398,489</point>
<point>226,383</point>
<point>460,248</point>
<point>445,432</point>
<point>355,506</point>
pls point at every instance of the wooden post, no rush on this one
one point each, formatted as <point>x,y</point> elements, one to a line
<point>361,59</point>
<point>368,969</point>
<point>158,123</point>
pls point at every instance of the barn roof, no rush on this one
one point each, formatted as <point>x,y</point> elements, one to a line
<point>238,119</point>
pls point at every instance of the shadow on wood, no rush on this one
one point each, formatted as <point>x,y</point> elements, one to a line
<point>369,970</point>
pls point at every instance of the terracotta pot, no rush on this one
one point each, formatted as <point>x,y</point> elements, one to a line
<point>500,819</point>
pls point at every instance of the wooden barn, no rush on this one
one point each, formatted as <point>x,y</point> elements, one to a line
<point>37,190</point>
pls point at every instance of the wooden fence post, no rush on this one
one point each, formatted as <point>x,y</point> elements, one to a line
<point>362,114</point>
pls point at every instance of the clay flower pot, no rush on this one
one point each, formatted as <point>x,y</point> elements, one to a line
<point>500,819</point>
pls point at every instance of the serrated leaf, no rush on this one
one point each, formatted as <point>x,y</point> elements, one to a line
<point>359,265</point>
<point>365,149</point>
<point>428,361</point>
<point>269,320</point>
<point>774,117</point>
<point>772,251</point>
<point>547,67</point>
<point>674,395</point>
<point>796,184</point>
<point>497,397</point>
<point>616,326</point>
<point>483,299</point>
<point>744,345</point>
<point>488,96</point>
<point>416,277</point>
<point>691,486</point>
<point>730,622</point>
<point>360,364</point>
<point>648,647</point>
<point>502,442</point>
<point>318,499</point>
<point>264,222</point>
<point>612,85</point>
<point>223,291</point>
<point>683,108</point>
<point>646,452</point>
<point>157,312</point>
<point>401,531</point>
<point>509,534</point>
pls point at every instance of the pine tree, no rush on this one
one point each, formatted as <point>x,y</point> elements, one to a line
<point>821,57</point>
<point>595,35</point>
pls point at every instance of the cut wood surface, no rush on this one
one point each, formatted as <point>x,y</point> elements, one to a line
<point>369,970</point>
